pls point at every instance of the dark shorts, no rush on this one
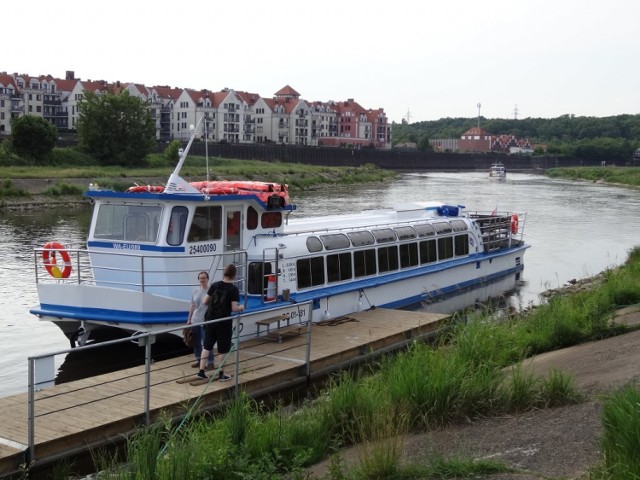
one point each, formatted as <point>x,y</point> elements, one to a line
<point>220,333</point>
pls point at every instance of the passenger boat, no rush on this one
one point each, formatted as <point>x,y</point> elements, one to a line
<point>497,171</point>
<point>146,246</point>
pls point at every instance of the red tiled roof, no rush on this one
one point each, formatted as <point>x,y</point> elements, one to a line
<point>475,131</point>
<point>287,91</point>
<point>7,80</point>
<point>167,92</point>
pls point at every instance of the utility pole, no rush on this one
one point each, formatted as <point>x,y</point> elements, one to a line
<point>515,112</point>
<point>479,105</point>
<point>408,115</point>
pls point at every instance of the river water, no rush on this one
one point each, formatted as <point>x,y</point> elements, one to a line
<point>575,229</point>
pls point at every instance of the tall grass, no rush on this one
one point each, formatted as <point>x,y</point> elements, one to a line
<point>620,444</point>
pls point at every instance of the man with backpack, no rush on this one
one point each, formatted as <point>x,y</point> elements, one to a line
<point>222,299</point>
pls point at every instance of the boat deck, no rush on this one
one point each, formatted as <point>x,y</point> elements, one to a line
<point>74,417</point>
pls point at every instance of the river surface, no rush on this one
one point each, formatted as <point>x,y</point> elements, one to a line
<point>575,229</point>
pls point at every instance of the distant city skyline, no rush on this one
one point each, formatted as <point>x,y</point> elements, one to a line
<point>544,58</point>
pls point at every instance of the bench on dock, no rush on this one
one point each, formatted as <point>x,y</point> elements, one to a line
<point>267,322</point>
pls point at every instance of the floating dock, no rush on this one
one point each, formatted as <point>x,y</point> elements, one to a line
<point>76,417</point>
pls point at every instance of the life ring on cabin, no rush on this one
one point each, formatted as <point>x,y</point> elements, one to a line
<point>514,223</point>
<point>146,188</point>
<point>49,259</point>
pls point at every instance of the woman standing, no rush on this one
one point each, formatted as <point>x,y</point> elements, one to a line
<point>196,317</point>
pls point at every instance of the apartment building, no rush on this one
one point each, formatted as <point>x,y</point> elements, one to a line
<point>227,115</point>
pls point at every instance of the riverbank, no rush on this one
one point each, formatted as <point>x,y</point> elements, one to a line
<point>560,442</point>
<point>47,187</point>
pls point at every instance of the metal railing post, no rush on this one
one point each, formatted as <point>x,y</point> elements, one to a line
<point>147,379</point>
<point>236,387</point>
<point>307,358</point>
<point>31,411</point>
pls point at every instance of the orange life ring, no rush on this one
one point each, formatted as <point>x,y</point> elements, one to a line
<point>49,259</point>
<point>514,223</point>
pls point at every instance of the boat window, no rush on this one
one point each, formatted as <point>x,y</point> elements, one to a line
<point>127,222</point>
<point>206,224</point>
<point>335,241</point>
<point>425,230</point>
<point>364,262</point>
<point>408,255</point>
<point>135,227</point>
<point>428,252</point>
<point>458,225</point>
<point>177,225</point>
<point>461,245</point>
<point>339,267</point>
<point>310,272</point>
<point>358,239</point>
<point>442,227</point>
<point>257,277</point>
<point>445,248</point>
<point>271,219</point>
<point>405,233</point>
<point>252,218</point>
<point>387,258</point>
<point>384,235</point>
<point>314,244</point>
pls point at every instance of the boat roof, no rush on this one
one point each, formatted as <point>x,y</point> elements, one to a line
<point>181,197</point>
<point>367,218</point>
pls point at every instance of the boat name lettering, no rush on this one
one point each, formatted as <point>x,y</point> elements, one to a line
<point>126,246</point>
<point>195,249</point>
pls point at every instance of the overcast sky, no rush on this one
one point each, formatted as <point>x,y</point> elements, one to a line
<point>433,59</point>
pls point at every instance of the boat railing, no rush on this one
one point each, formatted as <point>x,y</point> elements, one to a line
<point>391,224</point>
<point>133,271</point>
<point>499,230</point>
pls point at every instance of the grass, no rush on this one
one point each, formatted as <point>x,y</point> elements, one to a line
<point>8,190</point>
<point>621,175</point>
<point>620,443</point>
<point>297,176</point>
<point>472,371</point>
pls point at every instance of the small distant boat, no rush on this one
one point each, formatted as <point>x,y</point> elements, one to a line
<point>497,171</point>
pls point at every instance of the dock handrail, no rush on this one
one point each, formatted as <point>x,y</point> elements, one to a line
<point>145,339</point>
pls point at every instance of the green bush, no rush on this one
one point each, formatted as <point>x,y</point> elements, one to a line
<point>62,188</point>
<point>8,190</point>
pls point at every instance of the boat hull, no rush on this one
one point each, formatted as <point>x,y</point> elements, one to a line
<point>71,306</point>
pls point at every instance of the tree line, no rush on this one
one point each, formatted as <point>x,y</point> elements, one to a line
<point>589,138</point>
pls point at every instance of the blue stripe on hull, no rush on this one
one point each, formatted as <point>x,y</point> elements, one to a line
<point>103,315</point>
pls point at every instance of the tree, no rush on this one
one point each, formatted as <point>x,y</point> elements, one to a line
<point>116,128</point>
<point>33,136</point>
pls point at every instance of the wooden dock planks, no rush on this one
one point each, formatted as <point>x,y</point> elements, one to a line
<point>97,409</point>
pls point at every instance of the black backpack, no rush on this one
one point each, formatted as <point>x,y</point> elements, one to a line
<point>218,304</point>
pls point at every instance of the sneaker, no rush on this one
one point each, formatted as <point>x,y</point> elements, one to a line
<point>201,375</point>
<point>210,367</point>
<point>223,377</point>
<point>195,364</point>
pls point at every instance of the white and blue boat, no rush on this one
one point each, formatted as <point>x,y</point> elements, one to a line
<point>497,171</point>
<point>146,246</point>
